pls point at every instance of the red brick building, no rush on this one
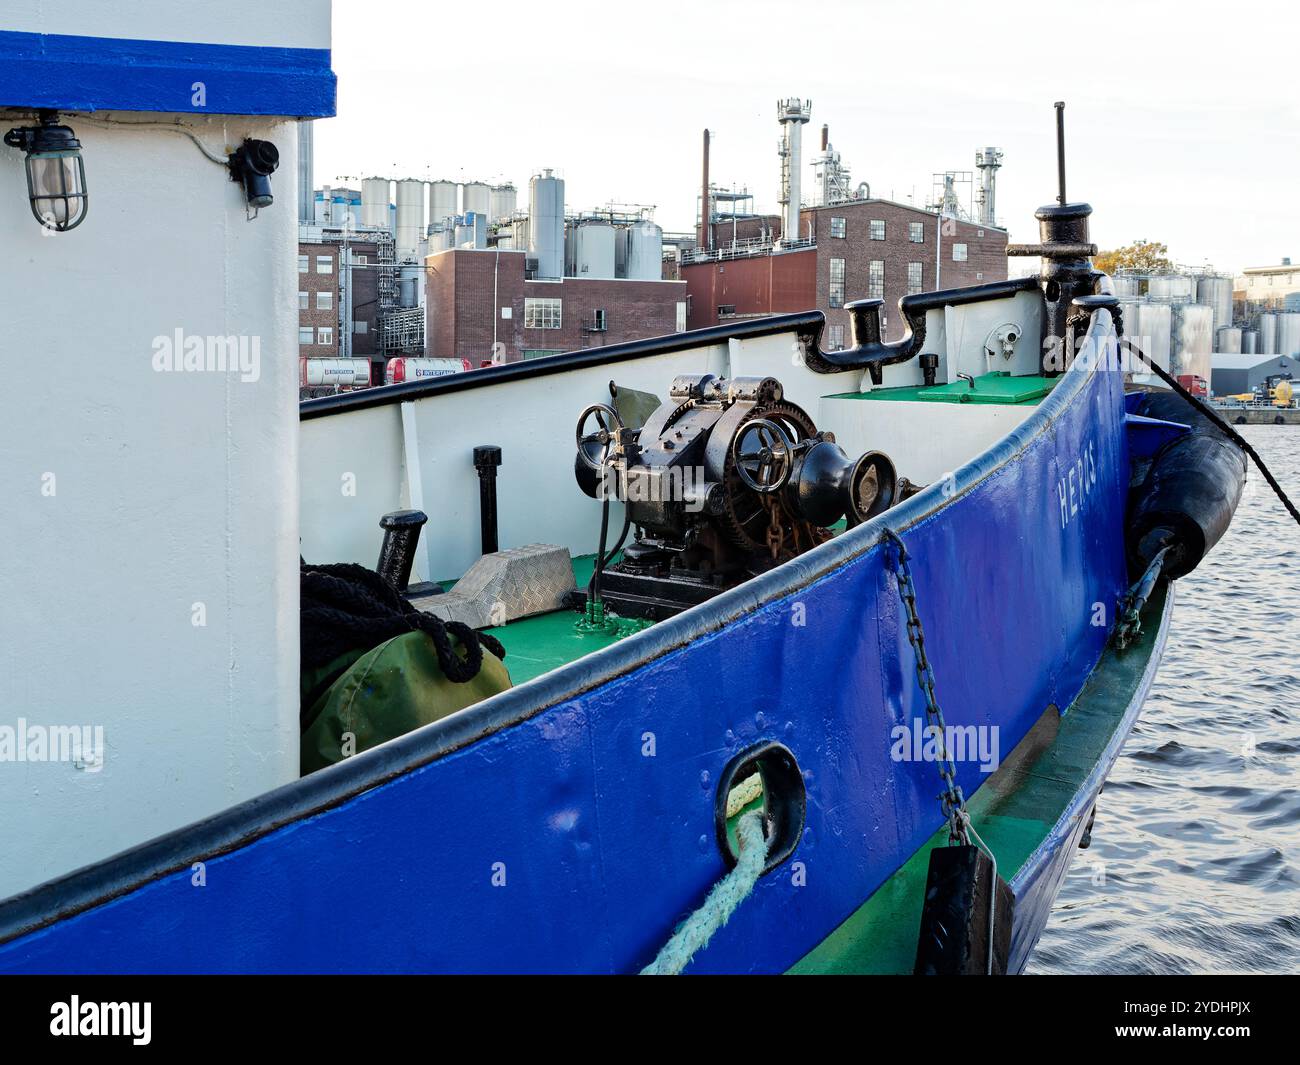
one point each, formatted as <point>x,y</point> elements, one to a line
<point>847,251</point>
<point>479,299</point>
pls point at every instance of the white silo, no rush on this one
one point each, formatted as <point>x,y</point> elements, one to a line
<point>442,201</point>
<point>1268,334</point>
<point>1171,287</point>
<point>410,217</point>
<point>374,202</point>
<point>1217,293</point>
<point>593,250</point>
<point>546,223</point>
<point>1229,340</point>
<point>1191,339</point>
<point>1288,333</point>
<point>1151,325</point>
<point>1126,285</point>
<point>476,198</point>
<point>504,200</point>
<point>1249,342</point>
<point>645,252</point>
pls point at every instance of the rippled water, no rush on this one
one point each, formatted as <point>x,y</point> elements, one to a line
<point>1195,859</point>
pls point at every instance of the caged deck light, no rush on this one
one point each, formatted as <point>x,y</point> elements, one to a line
<point>56,176</point>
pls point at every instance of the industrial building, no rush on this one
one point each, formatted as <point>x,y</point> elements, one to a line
<point>1275,288</point>
<point>1235,375</point>
<point>845,245</point>
<point>549,281</point>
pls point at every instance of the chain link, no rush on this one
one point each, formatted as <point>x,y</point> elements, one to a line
<point>951,799</point>
<point>1129,626</point>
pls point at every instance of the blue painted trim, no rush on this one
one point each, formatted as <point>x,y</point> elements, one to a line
<point>68,73</point>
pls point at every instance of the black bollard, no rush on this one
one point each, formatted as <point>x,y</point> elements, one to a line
<point>487,457</point>
<point>401,535</point>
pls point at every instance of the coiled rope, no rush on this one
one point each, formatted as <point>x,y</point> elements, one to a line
<point>694,933</point>
<point>346,607</point>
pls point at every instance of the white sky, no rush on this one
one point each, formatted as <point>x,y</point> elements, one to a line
<point>1181,117</point>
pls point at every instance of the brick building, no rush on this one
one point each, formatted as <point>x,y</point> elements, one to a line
<point>478,298</point>
<point>338,279</point>
<point>846,251</point>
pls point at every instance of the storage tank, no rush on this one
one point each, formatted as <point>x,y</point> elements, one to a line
<point>410,217</point>
<point>1150,325</point>
<point>1288,333</point>
<point>442,201</point>
<point>1216,292</point>
<point>1268,334</point>
<point>1125,285</point>
<point>593,250</point>
<point>504,201</point>
<point>1229,339</point>
<point>1249,342</point>
<point>343,373</point>
<point>645,252</point>
<point>546,223</point>
<point>441,238</point>
<point>1191,339</point>
<point>476,198</point>
<point>408,285</point>
<point>374,202</point>
<point>1171,287</point>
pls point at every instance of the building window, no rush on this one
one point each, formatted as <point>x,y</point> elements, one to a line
<point>837,228</point>
<point>681,316</point>
<point>302,264</point>
<point>877,229</point>
<point>726,309</point>
<point>361,260</point>
<point>325,335</point>
<point>302,301</point>
<point>916,232</point>
<point>324,264</point>
<point>980,233</point>
<point>324,301</point>
<point>306,334</point>
<point>599,320</point>
<point>542,314</point>
<point>915,277</point>
<point>835,338</point>
<point>876,279</point>
<point>539,353</point>
<point>959,253</point>
<point>837,283</point>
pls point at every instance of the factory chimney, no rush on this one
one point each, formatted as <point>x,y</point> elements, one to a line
<point>792,114</point>
<point>706,203</point>
<point>987,162</point>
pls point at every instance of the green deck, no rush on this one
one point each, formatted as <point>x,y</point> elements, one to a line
<point>1014,812</point>
<point>995,388</point>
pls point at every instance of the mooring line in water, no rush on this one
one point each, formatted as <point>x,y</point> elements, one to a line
<point>694,933</point>
<point>1222,425</point>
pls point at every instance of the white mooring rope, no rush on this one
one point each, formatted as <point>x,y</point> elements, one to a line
<point>694,933</point>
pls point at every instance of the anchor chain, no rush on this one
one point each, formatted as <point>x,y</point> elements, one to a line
<point>951,799</point>
<point>1129,627</point>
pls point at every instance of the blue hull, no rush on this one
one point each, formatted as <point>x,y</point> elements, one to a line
<point>532,833</point>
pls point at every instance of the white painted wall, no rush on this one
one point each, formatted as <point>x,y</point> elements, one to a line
<point>170,489</point>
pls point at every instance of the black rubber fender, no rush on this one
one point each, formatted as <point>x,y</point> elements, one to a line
<point>1188,494</point>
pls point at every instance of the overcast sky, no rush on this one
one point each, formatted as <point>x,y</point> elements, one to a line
<point>1181,117</point>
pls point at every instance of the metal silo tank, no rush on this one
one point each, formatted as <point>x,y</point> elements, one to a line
<point>1268,334</point>
<point>476,198</point>
<point>1228,340</point>
<point>504,201</point>
<point>1288,333</point>
<point>1125,285</point>
<point>1249,342</point>
<point>374,202</point>
<point>1150,326</point>
<point>1171,287</point>
<point>442,201</point>
<point>1216,292</point>
<point>410,217</point>
<point>1191,339</point>
<point>645,252</point>
<point>593,250</point>
<point>546,224</point>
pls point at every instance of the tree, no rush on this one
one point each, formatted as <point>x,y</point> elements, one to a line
<point>1140,257</point>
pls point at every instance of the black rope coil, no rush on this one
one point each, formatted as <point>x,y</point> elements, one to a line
<point>346,607</point>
